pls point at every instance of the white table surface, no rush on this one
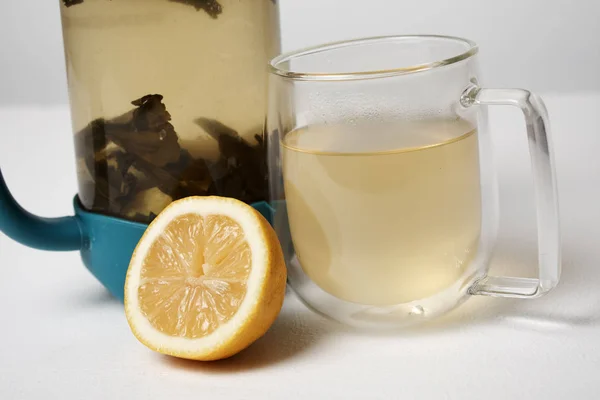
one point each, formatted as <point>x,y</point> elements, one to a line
<point>62,336</point>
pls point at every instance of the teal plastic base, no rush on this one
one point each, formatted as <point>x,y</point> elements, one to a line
<point>106,243</point>
<point>109,242</point>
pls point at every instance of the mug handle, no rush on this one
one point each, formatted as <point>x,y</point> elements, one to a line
<point>57,234</point>
<point>546,199</point>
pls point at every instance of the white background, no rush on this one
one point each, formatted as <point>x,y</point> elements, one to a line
<point>62,336</point>
<point>544,45</point>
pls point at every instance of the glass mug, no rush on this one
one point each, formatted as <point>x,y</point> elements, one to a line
<point>382,184</point>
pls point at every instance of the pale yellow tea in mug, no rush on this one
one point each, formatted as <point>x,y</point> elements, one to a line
<point>384,213</point>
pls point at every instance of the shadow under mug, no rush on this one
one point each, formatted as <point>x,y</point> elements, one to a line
<point>105,243</point>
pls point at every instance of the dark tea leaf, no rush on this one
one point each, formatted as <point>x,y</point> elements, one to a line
<point>215,128</point>
<point>69,3</point>
<point>90,142</point>
<point>143,218</point>
<point>241,170</point>
<point>113,183</point>
<point>193,174</point>
<point>146,132</point>
<point>212,7</point>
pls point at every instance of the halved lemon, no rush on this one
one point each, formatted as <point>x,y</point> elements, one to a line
<point>206,280</point>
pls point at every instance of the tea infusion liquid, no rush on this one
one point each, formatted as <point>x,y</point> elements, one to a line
<point>168,99</point>
<point>384,214</point>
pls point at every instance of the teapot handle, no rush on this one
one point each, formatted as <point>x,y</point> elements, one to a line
<point>57,234</point>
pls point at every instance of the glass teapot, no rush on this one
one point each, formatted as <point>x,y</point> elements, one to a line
<point>168,100</point>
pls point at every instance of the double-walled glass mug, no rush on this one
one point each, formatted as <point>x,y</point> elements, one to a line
<point>382,181</point>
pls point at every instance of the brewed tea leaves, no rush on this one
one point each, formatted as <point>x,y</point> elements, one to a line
<point>143,218</point>
<point>212,7</point>
<point>124,156</point>
<point>146,132</point>
<point>146,205</point>
<point>91,142</point>
<point>137,166</point>
<point>215,128</point>
<point>114,183</point>
<point>69,3</point>
<point>193,175</point>
<point>241,170</point>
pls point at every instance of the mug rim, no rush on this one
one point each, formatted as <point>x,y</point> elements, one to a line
<point>471,50</point>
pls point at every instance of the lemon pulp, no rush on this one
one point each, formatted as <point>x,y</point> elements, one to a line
<point>195,275</point>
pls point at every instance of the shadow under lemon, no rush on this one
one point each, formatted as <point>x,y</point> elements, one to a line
<point>295,333</point>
